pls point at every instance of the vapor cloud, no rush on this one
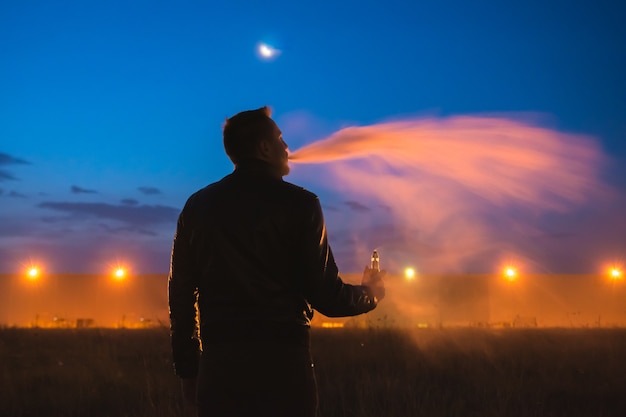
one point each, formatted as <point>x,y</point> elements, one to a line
<point>461,191</point>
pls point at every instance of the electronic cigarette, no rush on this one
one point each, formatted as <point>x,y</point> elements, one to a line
<point>375,261</point>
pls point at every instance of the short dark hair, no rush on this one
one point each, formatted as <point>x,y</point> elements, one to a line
<point>243,132</point>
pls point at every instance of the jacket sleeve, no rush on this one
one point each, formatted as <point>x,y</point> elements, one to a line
<point>182,296</point>
<point>323,288</point>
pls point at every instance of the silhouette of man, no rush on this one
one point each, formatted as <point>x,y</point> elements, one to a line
<point>251,252</point>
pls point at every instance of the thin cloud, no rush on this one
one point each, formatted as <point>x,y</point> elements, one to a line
<point>115,230</point>
<point>15,227</point>
<point>140,218</point>
<point>356,206</point>
<point>129,202</point>
<point>6,176</point>
<point>79,190</point>
<point>149,190</point>
<point>556,235</point>
<point>15,194</point>
<point>55,219</point>
<point>6,159</point>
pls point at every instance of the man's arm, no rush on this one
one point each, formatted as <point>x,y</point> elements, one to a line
<point>182,294</point>
<point>323,287</point>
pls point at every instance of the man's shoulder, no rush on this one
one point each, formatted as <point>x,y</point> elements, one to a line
<point>229,185</point>
<point>297,190</point>
<point>208,190</point>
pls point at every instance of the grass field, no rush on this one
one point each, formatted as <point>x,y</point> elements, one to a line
<point>360,372</point>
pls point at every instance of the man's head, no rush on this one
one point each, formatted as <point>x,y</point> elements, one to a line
<point>252,134</point>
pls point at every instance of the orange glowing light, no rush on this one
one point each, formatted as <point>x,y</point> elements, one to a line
<point>409,273</point>
<point>616,274</point>
<point>510,274</point>
<point>33,273</point>
<point>119,274</point>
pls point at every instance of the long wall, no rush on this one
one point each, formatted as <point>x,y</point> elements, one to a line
<point>62,299</point>
<point>491,300</point>
<point>430,301</point>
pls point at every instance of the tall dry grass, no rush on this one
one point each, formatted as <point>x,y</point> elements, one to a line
<point>360,372</point>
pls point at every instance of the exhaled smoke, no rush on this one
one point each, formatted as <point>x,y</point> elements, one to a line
<point>455,193</point>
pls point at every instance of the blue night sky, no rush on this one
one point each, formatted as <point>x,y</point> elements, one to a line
<point>111,112</point>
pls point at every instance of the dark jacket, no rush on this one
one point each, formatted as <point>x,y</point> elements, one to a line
<point>253,249</point>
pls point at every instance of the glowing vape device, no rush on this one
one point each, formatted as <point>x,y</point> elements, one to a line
<point>375,261</point>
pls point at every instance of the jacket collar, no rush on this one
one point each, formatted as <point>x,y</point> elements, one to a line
<point>257,168</point>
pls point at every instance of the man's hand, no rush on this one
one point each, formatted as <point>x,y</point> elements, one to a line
<point>188,386</point>
<point>373,279</point>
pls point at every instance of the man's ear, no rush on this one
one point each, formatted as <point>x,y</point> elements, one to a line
<point>264,148</point>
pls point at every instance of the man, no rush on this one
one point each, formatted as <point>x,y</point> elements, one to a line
<point>252,251</point>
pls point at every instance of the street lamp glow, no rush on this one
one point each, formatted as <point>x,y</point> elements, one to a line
<point>409,274</point>
<point>119,274</point>
<point>510,274</point>
<point>616,274</point>
<point>33,273</point>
